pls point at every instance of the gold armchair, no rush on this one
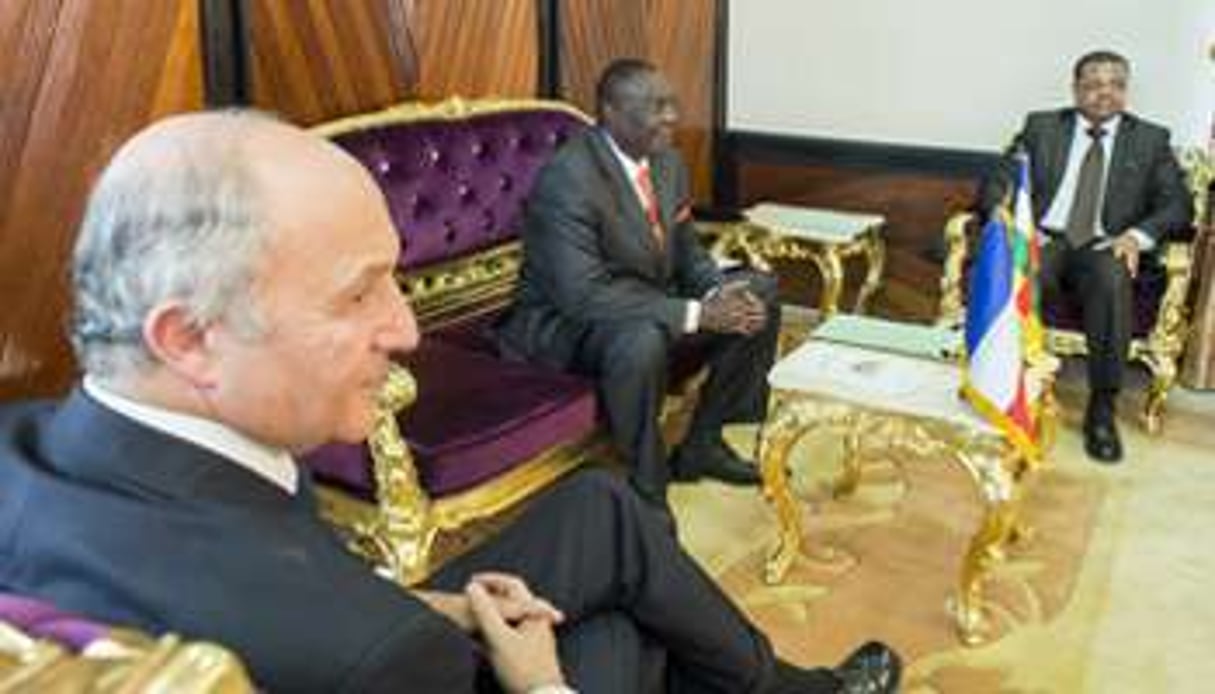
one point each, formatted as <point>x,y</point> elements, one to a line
<point>1158,339</point>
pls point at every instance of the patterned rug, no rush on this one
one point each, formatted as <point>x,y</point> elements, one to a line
<point>884,563</point>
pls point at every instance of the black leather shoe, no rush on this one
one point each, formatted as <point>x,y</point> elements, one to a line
<point>1101,441</point>
<point>691,462</point>
<point>874,668</point>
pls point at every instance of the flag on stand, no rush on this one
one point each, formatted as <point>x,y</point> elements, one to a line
<point>1026,258</point>
<point>1001,313</point>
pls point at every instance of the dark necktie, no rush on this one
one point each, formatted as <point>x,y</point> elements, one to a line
<point>1082,219</point>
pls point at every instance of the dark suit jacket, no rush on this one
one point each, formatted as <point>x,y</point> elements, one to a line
<point>590,256</point>
<point>103,516</point>
<point>1144,187</point>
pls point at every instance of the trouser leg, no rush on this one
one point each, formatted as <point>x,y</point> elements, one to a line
<point>593,548</point>
<point>736,389</point>
<point>1103,286</point>
<point>608,654</point>
<point>628,360</point>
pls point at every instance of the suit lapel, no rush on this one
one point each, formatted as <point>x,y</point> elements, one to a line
<point>1122,163</point>
<point>627,204</point>
<point>1059,150</point>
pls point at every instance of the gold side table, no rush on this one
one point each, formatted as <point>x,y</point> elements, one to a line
<point>896,402</point>
<point>824,237</point>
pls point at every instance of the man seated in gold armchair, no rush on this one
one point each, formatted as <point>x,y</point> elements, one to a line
<point>1107,193</point>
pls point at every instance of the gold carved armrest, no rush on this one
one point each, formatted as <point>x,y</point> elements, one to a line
<point>398,533</point>
<point>952,303</point>
<point>124,661</point>
<point>1172,324</point>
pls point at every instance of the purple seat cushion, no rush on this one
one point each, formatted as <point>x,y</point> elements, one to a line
<point>45,621</point>
<point>476,416</point>
<point>456,186</point>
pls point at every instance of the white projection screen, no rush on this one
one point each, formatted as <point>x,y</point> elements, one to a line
<point>957,74</point>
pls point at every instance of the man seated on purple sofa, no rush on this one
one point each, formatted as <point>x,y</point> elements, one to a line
<point>235,306</point>
<point>614,275</point>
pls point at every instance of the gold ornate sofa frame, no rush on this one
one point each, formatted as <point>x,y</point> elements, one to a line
<point>1160,350</point>
<point>123,661</point>
<point>398,532</point>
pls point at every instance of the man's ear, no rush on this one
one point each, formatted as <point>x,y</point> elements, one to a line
<point>179,343</point>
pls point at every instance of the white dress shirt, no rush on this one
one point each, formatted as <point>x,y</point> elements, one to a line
<point>273,464</point>
<point>1061,205</point>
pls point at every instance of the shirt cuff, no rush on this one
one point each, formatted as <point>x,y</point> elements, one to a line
<point>691,317</point>
<point>1146,243</point>
<point>551,689</point>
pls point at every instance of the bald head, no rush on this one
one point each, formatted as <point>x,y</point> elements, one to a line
<point>184,211</point>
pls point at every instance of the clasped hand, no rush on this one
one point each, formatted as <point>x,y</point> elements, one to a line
<point>518,630</point>
<point>1126,249</point>
<point>733,308</point>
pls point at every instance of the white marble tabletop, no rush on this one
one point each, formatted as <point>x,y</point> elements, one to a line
<point>877,380</point>
<point>813,223</point>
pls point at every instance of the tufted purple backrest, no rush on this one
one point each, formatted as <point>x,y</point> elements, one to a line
<point>43,620</point>
<point>456,175</point>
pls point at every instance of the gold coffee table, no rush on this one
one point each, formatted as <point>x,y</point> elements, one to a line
<point>906,402</point>
<point>824,237</point>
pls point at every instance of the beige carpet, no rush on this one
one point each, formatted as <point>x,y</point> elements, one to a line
<point>1109,596</point>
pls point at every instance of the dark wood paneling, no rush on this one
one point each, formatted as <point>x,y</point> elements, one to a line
<point>320,59</point>
<point>681,37</point>
<point>676,35</point>
<point>915,206</point>
<point>82,77</point>
<point>476,48</point>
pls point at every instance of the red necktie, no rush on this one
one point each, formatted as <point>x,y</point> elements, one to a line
<point>650,202</point>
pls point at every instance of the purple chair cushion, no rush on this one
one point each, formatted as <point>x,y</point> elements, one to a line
<point>456,186</point>
<point>45,621</point>
<point>476,416</point>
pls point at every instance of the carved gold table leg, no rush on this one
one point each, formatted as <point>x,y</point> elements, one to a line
<point>875,252</point>
<point>850,479</point>
<point>791,420</point>
<point>776,441</point>
<point>994,466</point>
<point>1001,501</point>
<point>832,270</point>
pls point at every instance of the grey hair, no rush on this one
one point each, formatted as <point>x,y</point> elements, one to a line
<point>182,223</point>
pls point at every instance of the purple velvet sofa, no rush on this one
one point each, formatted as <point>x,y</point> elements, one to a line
<point>481,432</point>
<point>43,648</point>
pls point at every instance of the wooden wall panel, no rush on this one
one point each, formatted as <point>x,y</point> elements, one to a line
<point>676,35</point>
<point>84,76</point>
<point>313,60</point>
<point>321,59</point>
<point>476,48</point>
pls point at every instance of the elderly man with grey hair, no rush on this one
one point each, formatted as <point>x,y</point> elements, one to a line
<point>236,306</point>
